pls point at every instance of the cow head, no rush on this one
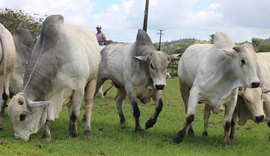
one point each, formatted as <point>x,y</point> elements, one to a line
<point>246,65</point>
<point>26,115</point>
<point>157,62</point>
<point>251,102</point>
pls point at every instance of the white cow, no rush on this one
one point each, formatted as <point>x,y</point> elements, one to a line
<point>7,57</point>
<point>254,104</point>
<point>138,71</point>
<point>62,69</point>
<point>212,74</point>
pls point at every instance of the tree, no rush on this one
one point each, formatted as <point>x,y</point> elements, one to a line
<point>261,45</point>
<point>18,19</point>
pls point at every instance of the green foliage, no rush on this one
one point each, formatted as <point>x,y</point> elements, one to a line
<point>178,46</point>
<point>110,138</point>
<point>182,46</point>
<point>261,45</point>
<point>18,19</point>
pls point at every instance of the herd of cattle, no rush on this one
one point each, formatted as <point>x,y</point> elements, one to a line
<point>66,66</point>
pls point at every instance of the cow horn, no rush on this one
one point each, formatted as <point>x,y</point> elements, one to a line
<point>33,104</point>
<point>236,48</point>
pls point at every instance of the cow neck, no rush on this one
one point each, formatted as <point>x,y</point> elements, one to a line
<point>222,75</point>
<point>28,90</point>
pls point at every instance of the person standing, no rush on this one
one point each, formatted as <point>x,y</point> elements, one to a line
<point>100,36</point>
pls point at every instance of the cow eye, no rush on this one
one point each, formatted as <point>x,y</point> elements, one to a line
<point>20,102</point>
<point>22,117</point>
<point>152,66</point>
<point>243,61</point>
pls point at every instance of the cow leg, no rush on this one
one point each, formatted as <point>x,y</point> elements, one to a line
<point>229,110</point>
<point>184,90</point>
<point>266,108</point>
<point>121,95</point>
<point>89,102</point>
<point>206,116</point>
<point>190,131</point>
<point>159,104</point>
<point>108,89</point>
<point>232,133</point>
<point>74,110</point>
<point>2,103</point>
<point>99,83</point>
<point>47,133</point>
<point>136,114</point>
<point>190,115</point>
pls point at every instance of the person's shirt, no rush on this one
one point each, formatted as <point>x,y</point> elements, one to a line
<point>101,38</point>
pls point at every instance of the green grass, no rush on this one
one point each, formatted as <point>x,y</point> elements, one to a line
<point>110,138</point>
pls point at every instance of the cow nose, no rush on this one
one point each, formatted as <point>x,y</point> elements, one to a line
<point>159,87</point>
<point>255,84</point>
<point>259,118</point>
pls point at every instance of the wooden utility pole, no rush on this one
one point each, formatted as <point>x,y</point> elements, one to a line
<point>145,15</point>
<point>160,33</point>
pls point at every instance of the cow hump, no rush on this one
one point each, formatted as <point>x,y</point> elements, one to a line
<point>143,44</point>
<point>143,38</point>
<point>221,40</point>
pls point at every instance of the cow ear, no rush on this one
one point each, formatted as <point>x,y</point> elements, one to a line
<point>38,103</point>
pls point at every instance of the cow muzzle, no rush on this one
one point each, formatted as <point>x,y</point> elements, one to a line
<point>159,87</point>
<point>259,118</point>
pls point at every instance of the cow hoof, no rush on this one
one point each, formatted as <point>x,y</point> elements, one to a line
<point>46,138</point>
<point>226,142</point>
<point>178,139</point>
<point>150,123</point>
<point>87,133</point>
<point>73,134</point>
<point>139,131</point>
<point>122,122</point>
<point>190,132</point>
<point>205,134</point>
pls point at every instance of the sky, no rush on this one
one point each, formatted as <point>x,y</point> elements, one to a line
<point>121,19</point>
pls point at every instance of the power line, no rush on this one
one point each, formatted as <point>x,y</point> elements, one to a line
<point>160,33</point>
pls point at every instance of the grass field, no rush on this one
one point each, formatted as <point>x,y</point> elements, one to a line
<point>110,138</point>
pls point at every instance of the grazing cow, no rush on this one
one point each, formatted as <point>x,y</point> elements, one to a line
<point>24,43</point>
<point>212,74</point>
<point>62,69</point>
<point>138,71</point>
<point>7,59</point>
